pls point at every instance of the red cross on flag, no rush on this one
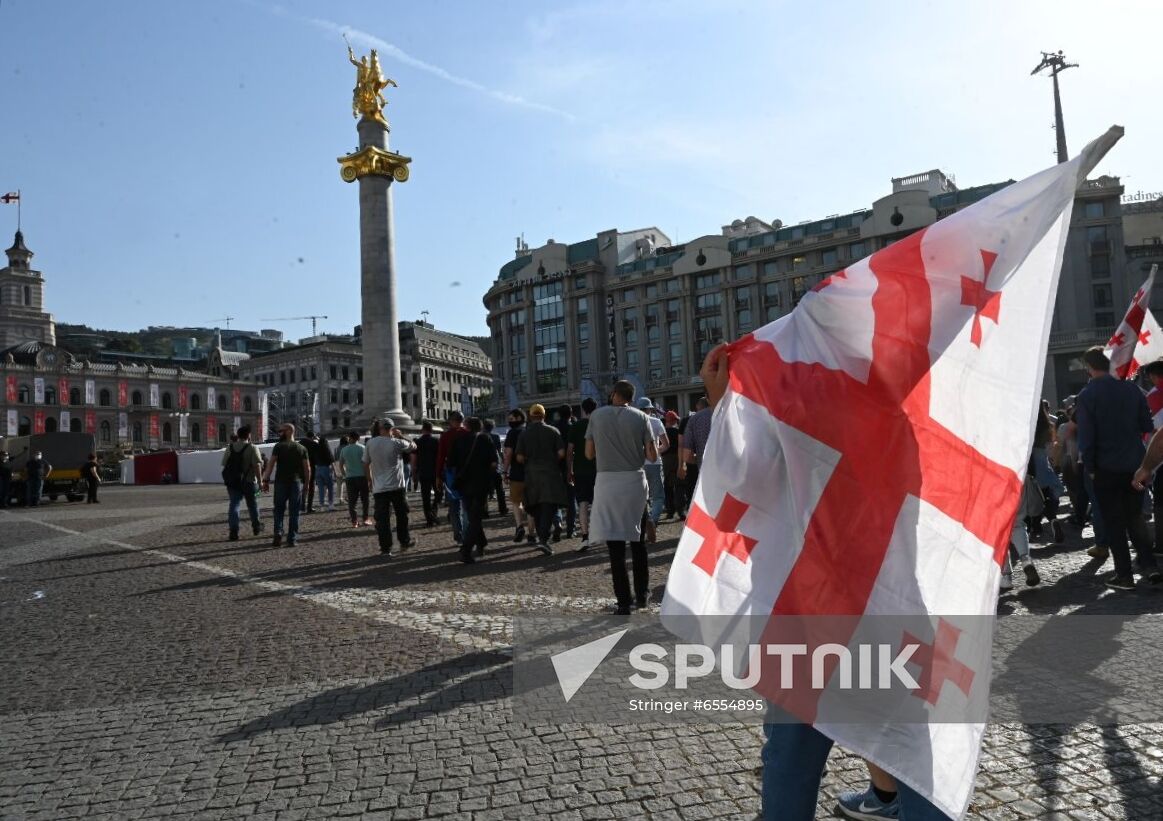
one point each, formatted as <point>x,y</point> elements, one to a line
<point>1121,347</point>
<point>1149,346</point>
<point>866,462</point>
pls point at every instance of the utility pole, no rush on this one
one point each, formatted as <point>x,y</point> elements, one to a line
<point>1057,64</point>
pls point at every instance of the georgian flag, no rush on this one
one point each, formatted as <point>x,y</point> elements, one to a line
<point>867,459</point>
<point>1122,346</point>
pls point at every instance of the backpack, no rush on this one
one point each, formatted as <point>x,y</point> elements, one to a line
<point>232,470</point>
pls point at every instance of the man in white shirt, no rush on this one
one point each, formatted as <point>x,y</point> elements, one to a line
<point>385,465</point>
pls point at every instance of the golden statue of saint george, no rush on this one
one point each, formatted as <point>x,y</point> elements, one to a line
<point>368,97</point>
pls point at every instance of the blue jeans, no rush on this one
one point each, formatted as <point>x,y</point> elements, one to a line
<point>287,494</point>
<point>793,763</point>
<point>457,512</point>
<point>237,496</point>
<point>324,481</point>
<point>657,495</point>
<point>34,489</point>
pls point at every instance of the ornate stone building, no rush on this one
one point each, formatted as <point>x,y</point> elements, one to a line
<point>134,406</point>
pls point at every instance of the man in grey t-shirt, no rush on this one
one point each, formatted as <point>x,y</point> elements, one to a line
<point>620,441</point>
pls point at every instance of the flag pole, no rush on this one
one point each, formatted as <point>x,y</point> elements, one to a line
<point>17,209</point>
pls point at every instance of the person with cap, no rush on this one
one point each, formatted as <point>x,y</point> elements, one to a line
<point>670,489</point>
<point>541,451</point>
<point>653,467</point>
<point>619,439</point>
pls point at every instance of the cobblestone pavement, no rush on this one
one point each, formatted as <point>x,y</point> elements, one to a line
<point>152,669</point>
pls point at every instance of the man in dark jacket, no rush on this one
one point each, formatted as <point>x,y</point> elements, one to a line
<point>542,451</point>
<point>424,468</point>
<point>1112,418</point>
<point>499,479</point>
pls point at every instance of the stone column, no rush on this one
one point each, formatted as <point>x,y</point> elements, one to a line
<point>381,341</point>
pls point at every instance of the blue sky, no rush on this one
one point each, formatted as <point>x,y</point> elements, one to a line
<point>177,160</point>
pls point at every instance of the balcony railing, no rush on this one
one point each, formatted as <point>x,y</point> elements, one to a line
<point>1081,338</point>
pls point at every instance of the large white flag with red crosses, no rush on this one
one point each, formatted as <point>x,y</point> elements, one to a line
<point>1149,346</point>
<point>866,461</point>
<point>1122,345</point>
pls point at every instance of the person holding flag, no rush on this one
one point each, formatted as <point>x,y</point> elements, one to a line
<point>799,515</point>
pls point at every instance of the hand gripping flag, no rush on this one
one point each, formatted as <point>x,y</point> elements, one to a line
<point>866,462</point>
<point>1121,347</point>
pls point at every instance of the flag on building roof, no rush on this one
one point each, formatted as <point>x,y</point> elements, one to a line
<point>866,461</point>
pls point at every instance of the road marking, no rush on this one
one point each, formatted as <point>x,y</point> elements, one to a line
<point>474,631</point>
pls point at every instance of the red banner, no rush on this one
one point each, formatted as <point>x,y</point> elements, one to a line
<point>10,390</point>
<point>38,422</point>
<point>90,421</point>
<point>236,400</point>
<point>183,396</point>
<point>122,394</point>
<point>154,428</point>
<point>63,392</point>
<point>211,429</point>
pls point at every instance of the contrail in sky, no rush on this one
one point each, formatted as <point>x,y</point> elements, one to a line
<point>402,56</point>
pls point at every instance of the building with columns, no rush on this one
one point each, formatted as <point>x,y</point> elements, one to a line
<point>569,319</point>
<point>436,367</point>
<point>124,405</point>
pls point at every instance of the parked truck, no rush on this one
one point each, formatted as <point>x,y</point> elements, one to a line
<point>66,452</point>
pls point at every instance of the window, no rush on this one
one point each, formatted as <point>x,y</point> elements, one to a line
<point>50,395</point>
<point>27,295</point>
<point>799,287</point>
<point>673,330</point>
<point>282,377</point>
<point>1095,210</point>
<point>579,282</point>
<point>347,420</point>
<point>653,334</point>
<point>771,313</point>
<point>1100,267</point>
<point>334,396</point>
<point>136,398</point>
<point>167,432</point>
<point>745,272</point>
<point>742,296</point>
<point>857,250</point>
<point>632,359</point>
<point>770,269</point>
<point>799,263</point>
<point>708,303</point>
<point>743,320</point>
<point>655,373</point>
<point>652,291</point>
<point>346,396</point>
<point>583,305</point>
<point>828,256</point>
<point>334,422</point>
<point>196,433</point>
<point>707,280</point>
<point>344,373</point>
<point>167,401</point>
<point>654,355</point>
<point>359,374</point>
<point>314,373</point>
<point>137,431</point>
<point>549,347</point>
<point>675,352</point>
<point>771,293</point>
<point>631,338</point>
<point>75,396</point>
<point>333,371</point>
<point>359,397</point>
<point>671,286</point>
<point>629,295</point>
<point>223,436</point>
<point>221,401</point>
<point>709,333</point>
<point>1102,296</point>
<point>106,432</point>
<point>1104,319</point>
<point>74,425</point>
<point>195,402</point>
<point>25,395</point>
<point>104,398</point>
<point>247,404</point>
<point>583,333</point>
<point>676,370</point>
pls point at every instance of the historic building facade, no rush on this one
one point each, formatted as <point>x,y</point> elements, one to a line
<point>126,405</point>
<point>567,320</point>
<point>436,368</point>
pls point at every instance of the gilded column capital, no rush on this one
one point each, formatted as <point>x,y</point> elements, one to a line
<point>372,161</point>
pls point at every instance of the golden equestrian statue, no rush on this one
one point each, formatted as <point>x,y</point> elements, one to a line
<point>367,97</point>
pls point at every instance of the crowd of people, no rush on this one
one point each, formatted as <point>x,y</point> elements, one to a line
<point>607,477</point>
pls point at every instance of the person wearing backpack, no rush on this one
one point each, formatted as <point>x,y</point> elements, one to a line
<point>241,473</point>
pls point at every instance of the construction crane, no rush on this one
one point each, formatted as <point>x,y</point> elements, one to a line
<point>226,319</point>
<point>313,319</point>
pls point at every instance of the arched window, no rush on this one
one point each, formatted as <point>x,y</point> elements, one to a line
<point>196,433</point>
<point>50,395</point>
<point>167,432</point>
<point>106,432</point>
<point>75,425</point>
<point>137,399</point>
<point>223,436</point>
<point>167,401</point>
<point>104,399</point>
<point>195,401</point>
<point>50,425</point>
<point>25,426</point>
<point>247,404</point>
<point>137,431</point>
<point>24,397</point>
